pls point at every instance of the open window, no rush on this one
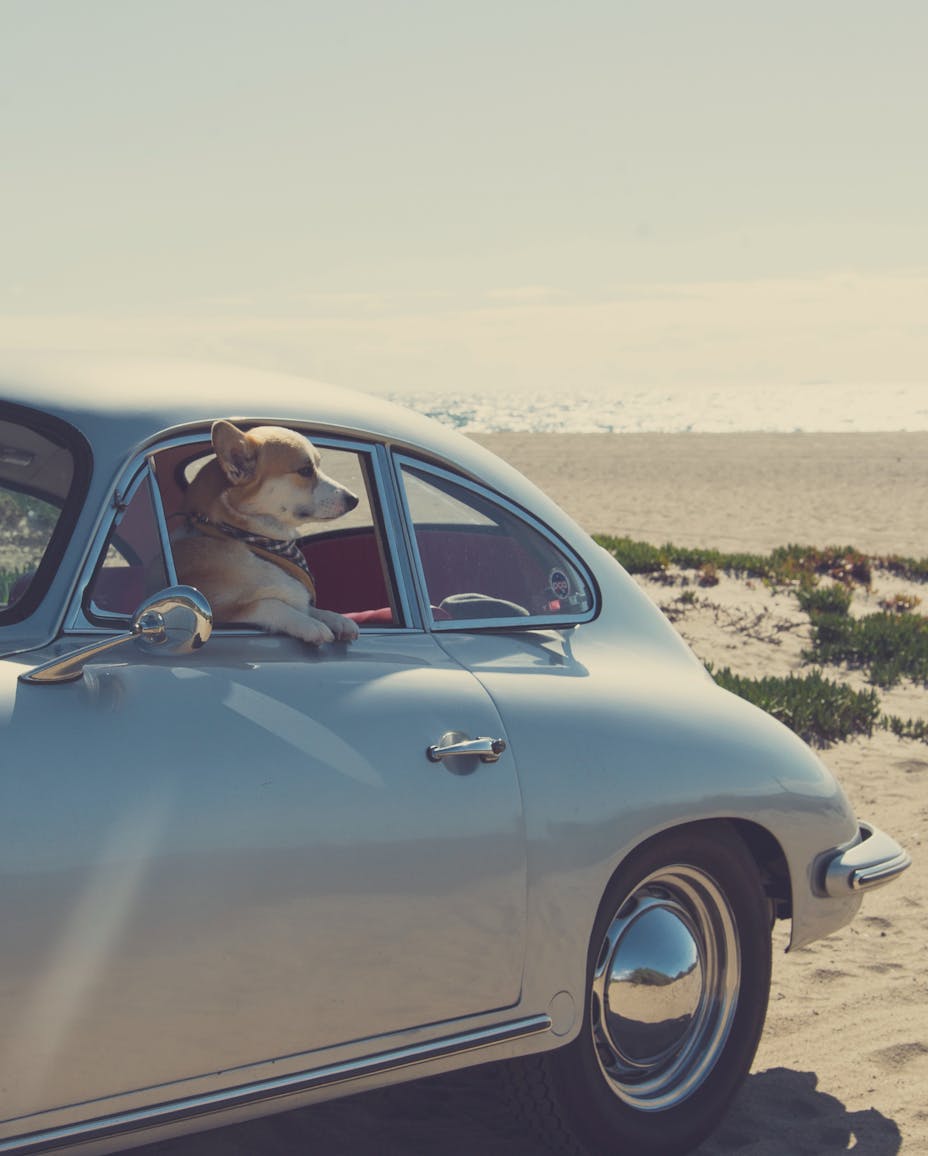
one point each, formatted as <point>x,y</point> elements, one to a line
<point>485,562</point>
<point>347,556</point>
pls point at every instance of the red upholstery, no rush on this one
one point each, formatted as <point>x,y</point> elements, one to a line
<point>348,572</point>
<point>382,617</point>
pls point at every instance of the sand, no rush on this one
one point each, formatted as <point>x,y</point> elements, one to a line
<point>843,1063</point>
<point>736,491</point>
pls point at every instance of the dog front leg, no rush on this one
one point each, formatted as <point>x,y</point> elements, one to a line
<point>279,618</point>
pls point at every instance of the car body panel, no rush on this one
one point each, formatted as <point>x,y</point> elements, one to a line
<point>272,857</point>
<point>675,746</point>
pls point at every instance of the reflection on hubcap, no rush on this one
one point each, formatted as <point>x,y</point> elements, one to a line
<point>653,984</point>
<point>665,988</point>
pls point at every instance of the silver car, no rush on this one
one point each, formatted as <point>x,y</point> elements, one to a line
<point>514,821</point>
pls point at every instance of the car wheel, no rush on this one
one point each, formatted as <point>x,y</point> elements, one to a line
<point>677,984</point>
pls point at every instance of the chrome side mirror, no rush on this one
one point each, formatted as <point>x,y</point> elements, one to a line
<point>178,620</point>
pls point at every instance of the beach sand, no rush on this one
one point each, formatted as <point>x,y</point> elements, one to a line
<point>843,1063</point>
<point>736,491</point>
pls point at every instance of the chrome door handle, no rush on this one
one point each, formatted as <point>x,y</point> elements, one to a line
<point>453,743</point>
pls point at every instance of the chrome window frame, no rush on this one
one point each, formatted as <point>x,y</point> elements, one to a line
<point>533,621</point>
<point>385,513</point>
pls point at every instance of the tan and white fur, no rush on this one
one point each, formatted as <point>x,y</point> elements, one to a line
<point>265,481</point>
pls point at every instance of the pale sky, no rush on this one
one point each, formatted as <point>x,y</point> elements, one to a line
<point>515,194</point>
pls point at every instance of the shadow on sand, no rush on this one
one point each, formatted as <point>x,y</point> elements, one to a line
<point>779,1112</point>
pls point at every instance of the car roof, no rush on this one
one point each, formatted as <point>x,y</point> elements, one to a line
<point>120,404</point>
<point>164,393</point>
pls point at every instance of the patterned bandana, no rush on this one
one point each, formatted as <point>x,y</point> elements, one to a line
<point>288,550</point>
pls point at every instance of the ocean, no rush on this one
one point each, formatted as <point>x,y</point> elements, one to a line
<point>813,408</point>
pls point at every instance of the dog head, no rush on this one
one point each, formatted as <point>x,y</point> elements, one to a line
<point>274,477</point>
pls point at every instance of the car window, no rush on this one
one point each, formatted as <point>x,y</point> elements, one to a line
<point>482,560</point>
<point>347,556</point>
<point>41,482</point>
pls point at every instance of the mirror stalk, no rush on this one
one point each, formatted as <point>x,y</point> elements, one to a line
<point>174,621</point>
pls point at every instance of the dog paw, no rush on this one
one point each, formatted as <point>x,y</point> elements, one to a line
<point>316,634</point>
<point>345,630</point>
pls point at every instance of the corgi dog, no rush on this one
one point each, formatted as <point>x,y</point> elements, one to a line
<point>244,509</point>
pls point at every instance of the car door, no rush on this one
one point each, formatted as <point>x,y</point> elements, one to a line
<point>246,855</point>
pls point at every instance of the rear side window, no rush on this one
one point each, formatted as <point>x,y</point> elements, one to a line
<point>44,469</point>
<point>482,561</point>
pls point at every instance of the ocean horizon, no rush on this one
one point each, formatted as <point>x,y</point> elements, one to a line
<point>813,408</point>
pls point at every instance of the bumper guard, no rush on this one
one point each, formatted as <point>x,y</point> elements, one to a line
<point>874,860</point>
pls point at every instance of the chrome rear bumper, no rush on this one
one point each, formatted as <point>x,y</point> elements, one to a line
<point>874,860</point>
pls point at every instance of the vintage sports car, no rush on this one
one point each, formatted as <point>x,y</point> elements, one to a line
<point>515,820</point>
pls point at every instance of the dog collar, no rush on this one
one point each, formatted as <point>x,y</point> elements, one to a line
<point>286,554</point>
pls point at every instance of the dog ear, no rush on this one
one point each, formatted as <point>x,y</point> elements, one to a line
<point>235,452</point>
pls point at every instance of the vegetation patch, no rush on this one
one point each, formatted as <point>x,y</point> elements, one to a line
<point>900,603</point>
<point>644,558</point>
<point>8,578</point>
<point>910,728</point>
<point>821,601</point>
<point>804,565</point>
<point>889,645</point>
<point>26,525</point>
<point>913,569</point>
<point>819,710</point>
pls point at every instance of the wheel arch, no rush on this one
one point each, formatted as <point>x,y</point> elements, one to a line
<point>763,847</point>
<point>771,863</point>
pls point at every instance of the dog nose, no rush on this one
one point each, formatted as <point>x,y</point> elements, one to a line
<point>351,500</point>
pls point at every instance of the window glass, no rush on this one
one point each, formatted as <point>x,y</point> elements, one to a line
<point>481,560</point>
<point>36,478</point>
<point>133,565</point>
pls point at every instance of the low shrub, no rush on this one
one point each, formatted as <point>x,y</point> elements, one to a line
<point>820,711</point>
<point>636,557</point>
<point>900,603</point>
<point>643,558</point>
<point>804,562</point>
<point>819,600</point>
<point>785,564</point>
<point>912,569</point>
<point>888,646</point>
<point>910,728</point>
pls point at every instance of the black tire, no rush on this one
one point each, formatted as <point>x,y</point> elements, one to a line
<point>681,946</point>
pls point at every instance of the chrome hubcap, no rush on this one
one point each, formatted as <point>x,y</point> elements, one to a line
<point>665,988</point>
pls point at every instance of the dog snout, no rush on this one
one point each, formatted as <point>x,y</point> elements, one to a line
<point>330,500</point>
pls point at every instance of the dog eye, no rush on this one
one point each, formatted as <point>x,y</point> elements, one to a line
<point>307,471</point>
